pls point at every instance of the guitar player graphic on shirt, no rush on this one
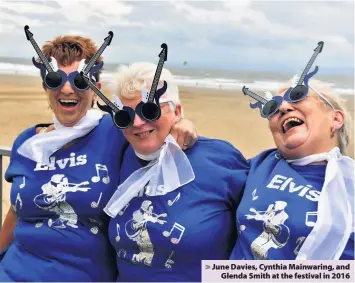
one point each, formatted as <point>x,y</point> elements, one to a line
<point>136,230</point>
<point>275,234</point>
<point>53,199</point>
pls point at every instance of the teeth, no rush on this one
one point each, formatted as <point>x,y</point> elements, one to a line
<point>144,134</point>
<point>284,126</point>
<point>68,100</point>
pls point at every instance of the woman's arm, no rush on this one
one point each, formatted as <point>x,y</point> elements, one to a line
<point>185,133</point>
<point>6,232</point>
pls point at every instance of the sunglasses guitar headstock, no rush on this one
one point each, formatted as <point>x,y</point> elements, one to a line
<point>319,47</point>
<point>305,76</point>
<point>149,107</point>
<point>46,63</point>
<point>89,66</point>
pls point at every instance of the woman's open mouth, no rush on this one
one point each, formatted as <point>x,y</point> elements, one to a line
<point>290,123</point>
<point>68,103</point>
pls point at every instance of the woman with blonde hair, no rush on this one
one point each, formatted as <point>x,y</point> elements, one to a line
<point>298,202</point>
<point>172,209</point>
<point>62,175</point>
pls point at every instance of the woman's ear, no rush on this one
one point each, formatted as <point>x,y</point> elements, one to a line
<point>98,85</point>
<point>178,112</point>
<point>338,119</point>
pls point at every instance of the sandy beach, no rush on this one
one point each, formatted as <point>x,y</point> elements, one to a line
<point>216,113</point>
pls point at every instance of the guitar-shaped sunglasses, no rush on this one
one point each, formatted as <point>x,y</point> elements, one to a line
<point>293,94</point>
<point>55,78</point>
<point>148,109</point>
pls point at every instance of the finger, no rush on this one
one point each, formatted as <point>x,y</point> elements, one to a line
<point>180,140</point>
<point>193,139</point>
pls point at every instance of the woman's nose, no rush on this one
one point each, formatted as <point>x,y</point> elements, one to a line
<point>138,121</point>
<point>67,88</point>
<point>286,107</point>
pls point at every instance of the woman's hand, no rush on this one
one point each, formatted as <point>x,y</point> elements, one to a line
<point>185,133</point>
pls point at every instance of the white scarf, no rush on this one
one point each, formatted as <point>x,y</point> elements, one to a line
<point>169,171</point>
<point>335,221</point>
<point>41,146</point>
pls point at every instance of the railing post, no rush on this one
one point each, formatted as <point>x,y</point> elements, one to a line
<point>0,190</point>
<point>4,151</point>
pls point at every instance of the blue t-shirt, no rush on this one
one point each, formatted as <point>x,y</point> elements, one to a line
<point>164,238</point>
<point>279,209</point>
<point>61,232</point>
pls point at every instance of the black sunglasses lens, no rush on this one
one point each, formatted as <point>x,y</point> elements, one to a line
<point>122,119</point>
<point>298,93</point>
<point>53,80</point>
<point>79,82</point>
<point>270,108</point>
<point>151,111</point>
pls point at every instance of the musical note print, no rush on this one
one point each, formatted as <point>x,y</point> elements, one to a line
<point>18,200</point>
<point>255,197</point>
<point>169,261</point>
<point>97,178</point>
<point>94,230</point>
<point>39,224</point>
<point>311,218</point>
<point>23,182</point>
<point>118,232</point>
<point>299,243</point>
<point>170,203</point>
<point>123,251</point>
<point>178,227</point>
<point>123,210</point>
<point>96,225</point>
<point>95,204</point>
<point>50,222</point>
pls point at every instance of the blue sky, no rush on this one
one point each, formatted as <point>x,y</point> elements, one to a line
<point>265,35</point>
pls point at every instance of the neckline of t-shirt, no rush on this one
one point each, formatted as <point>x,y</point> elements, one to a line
<point>311,169</point>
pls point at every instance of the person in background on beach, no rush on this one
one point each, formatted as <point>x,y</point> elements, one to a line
<point>62,175</point>
<point>298,202</point>
<point>172,209</point>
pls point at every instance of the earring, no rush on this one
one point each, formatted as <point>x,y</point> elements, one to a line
<point>332,132</point>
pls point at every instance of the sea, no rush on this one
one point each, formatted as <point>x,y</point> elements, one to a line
<point>204,78</point>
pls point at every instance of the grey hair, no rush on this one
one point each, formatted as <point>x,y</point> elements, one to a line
<point>344,133</point>
<point>128,81</point>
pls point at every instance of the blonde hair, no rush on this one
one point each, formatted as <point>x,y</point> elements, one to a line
<point>128,81</point>
<point>344,133</point>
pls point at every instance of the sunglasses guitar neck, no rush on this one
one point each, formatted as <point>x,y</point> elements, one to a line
<point>257,97</point>
<point>162,58</point>
<point>43,58</point>
<point>107,42</point>
<point>317,50</point>
<point>99,93</point>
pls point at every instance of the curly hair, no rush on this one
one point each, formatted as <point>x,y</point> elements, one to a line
<point>67,49</point>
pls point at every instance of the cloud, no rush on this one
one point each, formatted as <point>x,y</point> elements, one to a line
<point>29,8</point>
<point>109,11</point>
<point>223,34</point>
